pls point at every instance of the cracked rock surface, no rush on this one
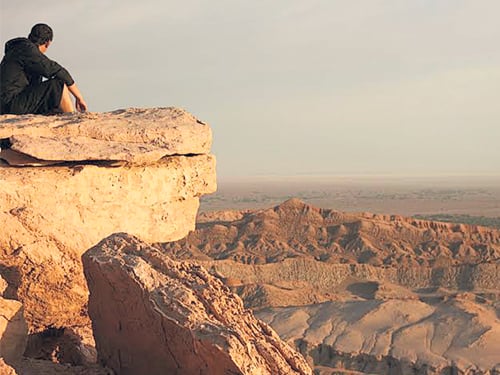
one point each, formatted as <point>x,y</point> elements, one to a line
<point>151,314</point>
<point>61,193</point>
<point>136,135</point>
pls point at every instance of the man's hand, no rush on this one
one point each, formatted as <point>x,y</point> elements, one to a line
<point>80,105</point>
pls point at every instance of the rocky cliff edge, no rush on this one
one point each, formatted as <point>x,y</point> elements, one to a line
<point>68,181</point>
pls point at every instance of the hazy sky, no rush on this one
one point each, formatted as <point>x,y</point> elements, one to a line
<point>295,87</point>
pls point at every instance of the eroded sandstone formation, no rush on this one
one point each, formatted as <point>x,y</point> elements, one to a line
<point>396,335</point>
<point>295,229</point>
<point>301,254</point>
<point>68,181</point>
<point>151,314</point>
<point>361,293</point>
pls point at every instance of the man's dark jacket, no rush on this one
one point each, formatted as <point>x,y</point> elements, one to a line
<point>24,65</point>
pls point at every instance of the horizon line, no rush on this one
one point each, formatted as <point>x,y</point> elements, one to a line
<point>359,175</point>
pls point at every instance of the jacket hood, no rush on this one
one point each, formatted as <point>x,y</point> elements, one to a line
<point>15,44</point>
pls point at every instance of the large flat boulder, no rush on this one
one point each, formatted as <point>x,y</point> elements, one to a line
<point>153,315</point>
<point>134,135</point>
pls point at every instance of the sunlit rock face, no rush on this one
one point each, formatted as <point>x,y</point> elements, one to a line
<point>151,314</point>
<point>68,181</point>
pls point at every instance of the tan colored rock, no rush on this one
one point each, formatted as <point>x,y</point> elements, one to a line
<point>134,135</point>
<point>153,315</point>
<point>5,369</point>
<point>295,229</point>
<point>13,330</point>
<point>50,216</point>
<point>30,366</point>
<point>3,286</point>
<point>407,335</point>
<point>82,148</point>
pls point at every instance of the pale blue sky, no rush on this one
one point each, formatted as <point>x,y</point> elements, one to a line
<point>296,87</point>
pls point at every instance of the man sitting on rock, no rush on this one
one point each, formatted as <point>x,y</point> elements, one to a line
<point>22,68</point>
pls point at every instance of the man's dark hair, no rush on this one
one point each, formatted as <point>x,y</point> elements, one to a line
<point>41,34</point>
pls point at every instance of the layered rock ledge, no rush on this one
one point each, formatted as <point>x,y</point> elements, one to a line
<point>151,314</point>
<point>68,181</point>
<point>134,135</point>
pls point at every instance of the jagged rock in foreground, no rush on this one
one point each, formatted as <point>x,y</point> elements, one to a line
<point>153,315</point>
<point>101,173</point>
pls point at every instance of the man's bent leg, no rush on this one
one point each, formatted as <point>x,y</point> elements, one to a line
<point>66,105</point>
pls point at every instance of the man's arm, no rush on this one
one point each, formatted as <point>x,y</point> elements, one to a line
<point>80,104</point>
<point>41,64</point>
<point>37,62</point>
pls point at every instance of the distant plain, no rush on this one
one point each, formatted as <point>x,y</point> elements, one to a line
<point>470,199</point>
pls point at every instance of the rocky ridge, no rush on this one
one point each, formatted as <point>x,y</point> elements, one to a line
<point>68,181</point>
<point>294,229</point>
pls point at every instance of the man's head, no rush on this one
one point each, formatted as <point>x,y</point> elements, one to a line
<point>41,34</point>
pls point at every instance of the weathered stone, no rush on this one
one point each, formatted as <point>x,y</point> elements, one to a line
<point>3,285</point>
<point>13,330</point>
<point>153,315</point>
<point>5,369</point>
<point>62,345</point>
<point>51,214</point>
<point>134,135</point>
<point>394,336</point>
<point>82,148</point>
<point>30,366</point>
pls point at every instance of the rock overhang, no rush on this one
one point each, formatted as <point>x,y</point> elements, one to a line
<point>133,135</point>
<point>67,181</point>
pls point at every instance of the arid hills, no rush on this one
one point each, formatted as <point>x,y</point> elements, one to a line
<point>367,293</point>
<point>294,229</point>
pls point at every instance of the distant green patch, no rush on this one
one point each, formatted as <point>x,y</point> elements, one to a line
<point>493,222</point>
